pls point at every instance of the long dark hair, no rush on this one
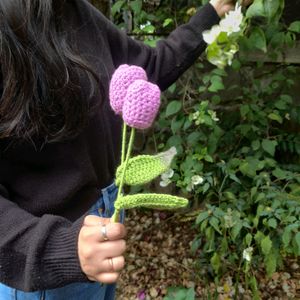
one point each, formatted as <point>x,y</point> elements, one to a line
<point>40,73</point>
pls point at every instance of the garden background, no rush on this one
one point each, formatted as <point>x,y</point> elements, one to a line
<point>237,136</point>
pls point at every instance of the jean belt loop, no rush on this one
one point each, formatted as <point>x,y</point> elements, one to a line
<point>105,196</point>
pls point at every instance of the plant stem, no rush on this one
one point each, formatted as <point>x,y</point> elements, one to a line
<point>115,217</point>
<point>221,188</point>
<point>131,139</point>
<point>123,142</point>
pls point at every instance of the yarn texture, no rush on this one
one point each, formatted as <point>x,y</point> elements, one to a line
<point>154,201</point>
<point>141,104</point>
<point>138,101</point>
<point>144,168</point>
<point>122,78</point>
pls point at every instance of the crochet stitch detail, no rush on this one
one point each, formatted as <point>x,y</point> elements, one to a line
<point>155,201</point>
<point>141,104</point>
<point>144,168</point>
<point>138,101</point>
<point>140,170</point>
<point>122,78</point>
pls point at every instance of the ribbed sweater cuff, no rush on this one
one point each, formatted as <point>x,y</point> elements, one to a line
<point>61,261</point>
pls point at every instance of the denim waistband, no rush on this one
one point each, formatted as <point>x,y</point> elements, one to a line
<point>109,189</point>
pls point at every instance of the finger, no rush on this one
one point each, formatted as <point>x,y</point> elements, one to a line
<point>112,231</point>
<point>92,220</point>
<point>112,248</point>
<point>114,264</point>
<point>108,277</point>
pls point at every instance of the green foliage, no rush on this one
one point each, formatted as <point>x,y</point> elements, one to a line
<point>238,130</point>
<point>180,294</point>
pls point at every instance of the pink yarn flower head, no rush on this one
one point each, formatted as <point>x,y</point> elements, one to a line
<point>122,78</point>
<point>141,104</point>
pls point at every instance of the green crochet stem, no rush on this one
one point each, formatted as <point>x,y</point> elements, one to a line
<point>123,142</point>
<point>116,215</point>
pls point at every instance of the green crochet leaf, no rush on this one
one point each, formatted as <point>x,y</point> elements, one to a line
<point>155,201</point>
<point>144,168</point>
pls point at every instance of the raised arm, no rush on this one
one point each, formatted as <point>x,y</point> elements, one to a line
<point>170,58</point>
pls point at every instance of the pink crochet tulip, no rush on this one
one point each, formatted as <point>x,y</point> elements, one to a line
<point>141,104</point>
<point>121,80</point>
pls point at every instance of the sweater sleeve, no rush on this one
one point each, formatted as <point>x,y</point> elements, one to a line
<point>171,56</point>
<point>37,253</point>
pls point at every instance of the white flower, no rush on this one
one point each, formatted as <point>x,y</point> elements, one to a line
<point>230,53</point>
<point>211,35</point>
<point>196,115</point>
<point>247,253</point>
<point>164,183</point>
<point>168,174</point>
<point>213,115</point>
<point>222,43</point>
<point>165,178</point>
<point>229,57</point>
<point>230,24</point>
<point>196,179</point>
<point>142,26</point>
<point>219,61</point>
<point>232,21</point>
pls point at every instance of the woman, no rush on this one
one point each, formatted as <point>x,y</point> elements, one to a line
<point>60,141</point>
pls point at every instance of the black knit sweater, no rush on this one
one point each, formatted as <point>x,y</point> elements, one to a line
<point>44,194</point>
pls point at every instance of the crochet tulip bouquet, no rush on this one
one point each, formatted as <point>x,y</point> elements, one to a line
<point>137,100</point>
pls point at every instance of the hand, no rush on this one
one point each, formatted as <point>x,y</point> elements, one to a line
<point>224,6</point>
<point>101,260</point>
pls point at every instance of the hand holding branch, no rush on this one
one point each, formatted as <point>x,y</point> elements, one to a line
<point>224,6</point>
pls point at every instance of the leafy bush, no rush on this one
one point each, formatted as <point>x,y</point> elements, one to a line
<point>237,137</point>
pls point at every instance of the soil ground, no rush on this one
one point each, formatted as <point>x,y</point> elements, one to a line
<point>158,256</point>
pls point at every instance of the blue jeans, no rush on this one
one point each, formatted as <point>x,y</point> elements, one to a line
<point>104,207</point>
